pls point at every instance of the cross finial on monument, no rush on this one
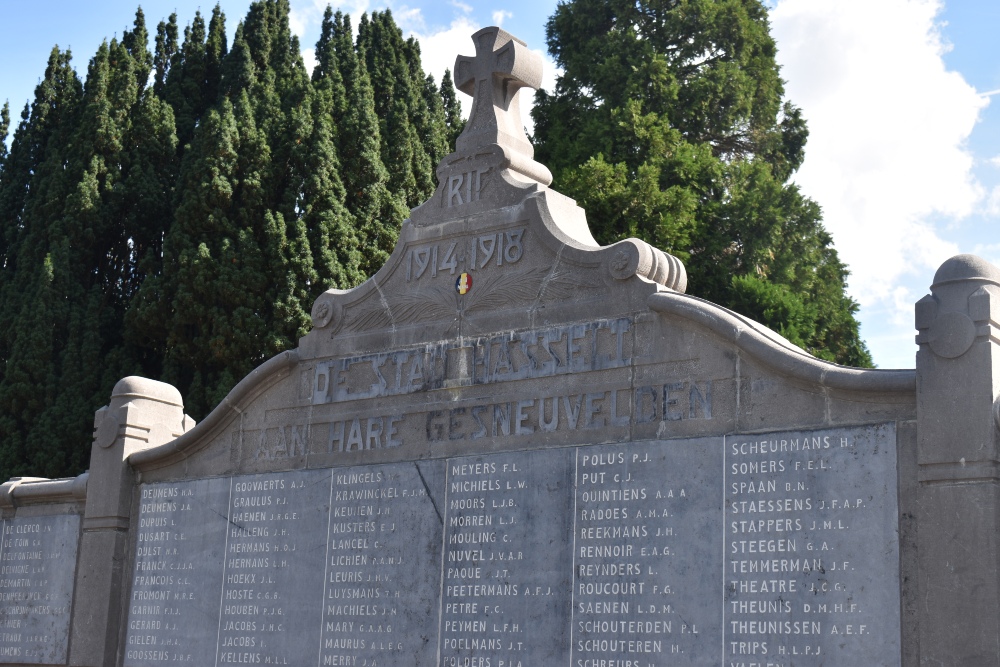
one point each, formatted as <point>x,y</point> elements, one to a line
<point>502,66</point>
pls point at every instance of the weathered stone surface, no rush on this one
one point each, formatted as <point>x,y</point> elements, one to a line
<point>958,368</point>
<point>694,551</point>
<point>812,547</point>
<point>36,588</point>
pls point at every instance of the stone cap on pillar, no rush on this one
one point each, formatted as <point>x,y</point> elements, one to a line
<point>958,333</point>
<point>966,267</point>
<point>960,306</point>
<point>143,412</point>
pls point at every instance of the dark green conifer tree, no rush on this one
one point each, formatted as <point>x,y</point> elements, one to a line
<point>437,128</point>
<point>341,37</point>
<point>91,258</point>
<point>165,50</point>
<point>668,123</point>
<point>34,307</point>
<point>377,211</point>
<point>396,78</point>
<point>333,239</point>
<point>428,115</point>
<point>15,179</point>
<point>238,273</point>
<point>452,109</point>
<point>216,49</point>
<point>192,80</point>
<point>136,42</point>
<point>327,77</point>
<point>4,129</point>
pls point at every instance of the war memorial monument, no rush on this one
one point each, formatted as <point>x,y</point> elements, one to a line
<point>512,447</point>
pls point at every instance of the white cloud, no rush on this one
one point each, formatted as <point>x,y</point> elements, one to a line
<point>303,15</point>
<point>499,16</point>
<point>988,251</point>
<point>309,58</point>
<point>438,49</point>
<point>888,126</point>
<point>409,19</point>
<point>993,202</point>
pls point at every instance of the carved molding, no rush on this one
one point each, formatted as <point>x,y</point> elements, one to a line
<point>492,292</point>
<point>776,353</point>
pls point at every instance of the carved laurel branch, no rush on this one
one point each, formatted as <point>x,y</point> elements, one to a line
<point>428,304</point>
<point>496,292</point>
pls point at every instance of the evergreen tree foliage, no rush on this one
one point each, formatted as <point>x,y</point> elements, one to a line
<point>192,81</point>
<point>176,214</point>
<point>355,124</point>
<point>237,278</point>
<point>163,56</point>
<point>436,130</point>
<point>333,238</point>
<point>35,308</point>
<point>4,130</point>
<point>452,109</point>
<point>327,77</point>
<point>427,109</point>
<point>405,122</point>
<point>136,42</point>
<point>668,123</point>
<point>366,180</point>
<point>212,275</point>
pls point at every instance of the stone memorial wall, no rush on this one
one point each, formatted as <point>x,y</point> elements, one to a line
<point>512,447</point>
<point>704,551</point>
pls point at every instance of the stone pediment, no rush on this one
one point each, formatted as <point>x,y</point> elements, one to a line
<point>458,272</point>
<point>494,248</point>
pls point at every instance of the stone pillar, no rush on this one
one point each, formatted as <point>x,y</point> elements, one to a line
<point>958,551</point>
<point>142,414</point>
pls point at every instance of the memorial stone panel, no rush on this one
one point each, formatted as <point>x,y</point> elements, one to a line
<point>303,567</point>
<point>730,550</point>
<point>380,604</point>
<point>812,547</point>
<point>36,588</point>
<point>274,568</point>
<point>508,546</point>
<point>648,553</point>
<point>180,555</point>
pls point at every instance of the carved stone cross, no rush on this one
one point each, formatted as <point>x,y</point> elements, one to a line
<point>502,66</point>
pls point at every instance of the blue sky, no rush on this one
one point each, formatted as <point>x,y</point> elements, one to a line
<point>902,99</point>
